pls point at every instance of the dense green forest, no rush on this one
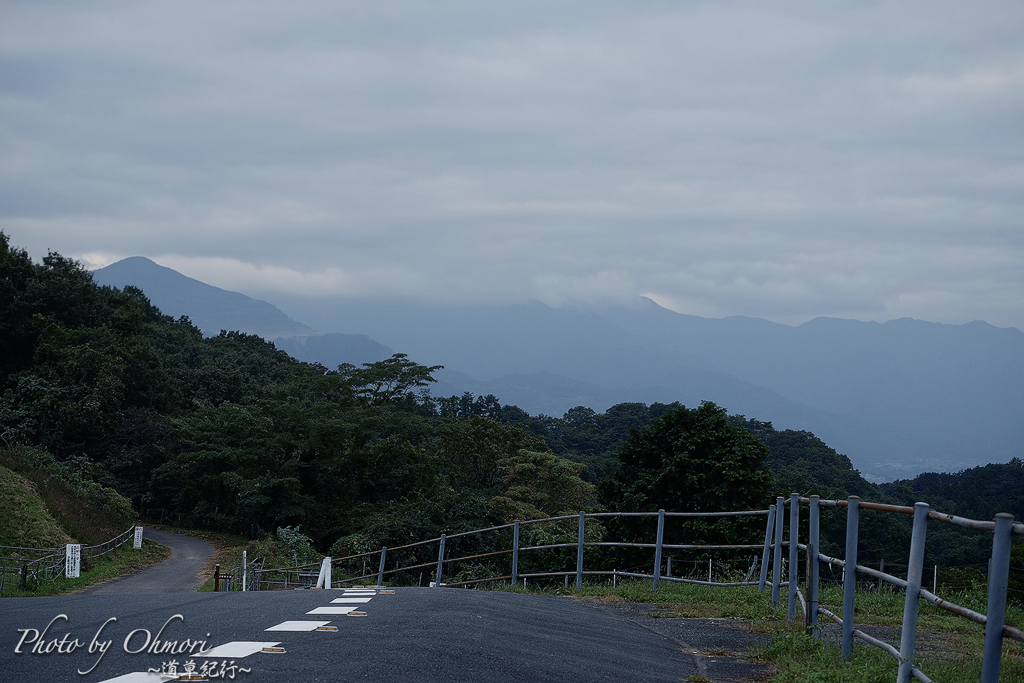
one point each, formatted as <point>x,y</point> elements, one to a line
<point>229,432</point>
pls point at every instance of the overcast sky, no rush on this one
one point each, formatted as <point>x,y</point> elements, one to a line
<point>783,160</point>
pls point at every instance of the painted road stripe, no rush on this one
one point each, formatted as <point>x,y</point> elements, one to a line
<point>136,677</point>
<point>238,648</point>
<point>332,610</point>
<point>298,626</point>
<point>340,601</point>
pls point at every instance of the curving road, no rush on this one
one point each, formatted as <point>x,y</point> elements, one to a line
<point>177,574</point>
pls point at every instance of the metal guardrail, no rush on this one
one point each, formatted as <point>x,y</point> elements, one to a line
<point>306,571</point>
<point>1002,528</point>
<point>51,563</point>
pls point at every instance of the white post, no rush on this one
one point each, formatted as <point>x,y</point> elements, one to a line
<point>245,568</point>
<point>324,580</point>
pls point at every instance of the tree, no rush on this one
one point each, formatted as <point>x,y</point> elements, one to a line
<point>536,484</point>
<point>388,381</point>
<point>690,460</point>
<point>474,450</point>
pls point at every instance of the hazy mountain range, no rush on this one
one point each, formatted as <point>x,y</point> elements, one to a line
<point>899,398</point>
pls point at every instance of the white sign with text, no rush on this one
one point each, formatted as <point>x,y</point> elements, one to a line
<point>138,538</point>
<point>73,560</point>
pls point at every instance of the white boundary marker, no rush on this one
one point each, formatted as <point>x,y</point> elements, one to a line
<point>237,648</point>
<point>137,677</point>
<point>298,626</point>
<point>333,610</point>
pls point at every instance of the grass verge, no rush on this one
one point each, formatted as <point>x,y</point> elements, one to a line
<point>112,565</point>
<point>948,647</point>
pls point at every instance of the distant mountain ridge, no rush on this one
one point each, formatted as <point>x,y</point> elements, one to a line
<point>210,308</point>
<point>213,309</point>
<point>898,398</point>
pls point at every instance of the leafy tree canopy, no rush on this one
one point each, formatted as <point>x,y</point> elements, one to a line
<point>690,460</point>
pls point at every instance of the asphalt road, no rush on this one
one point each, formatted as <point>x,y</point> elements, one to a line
<point>177,574</point>
<point>415,634</point>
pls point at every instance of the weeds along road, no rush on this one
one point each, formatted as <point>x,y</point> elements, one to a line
<point>412,634</point>
<point>177,574</point>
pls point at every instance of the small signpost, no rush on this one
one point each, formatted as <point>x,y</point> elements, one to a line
<point>138,538</point>
<point>73,560</point>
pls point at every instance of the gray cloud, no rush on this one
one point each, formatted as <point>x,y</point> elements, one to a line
<point>784,161</point>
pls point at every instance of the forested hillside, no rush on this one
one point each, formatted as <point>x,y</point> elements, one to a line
<point>229,432</point>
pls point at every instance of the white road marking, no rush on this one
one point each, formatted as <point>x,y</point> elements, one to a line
<point>339,601</point>
<point>297,626</point>
<point>136,677</point>
<point>332,610</point>
<point>237,648</point>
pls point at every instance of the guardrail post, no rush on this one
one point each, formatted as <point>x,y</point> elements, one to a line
<point>766,555</point>
<point>440,563</point>
<point>657,549</point>
<point>794,558</point>
<point>579,552</point>
<point>850,574</point>
<point>245,568</point>
<point>380,573</point>
<point>216,578</point>
<point>998,577</point>
<point>813,542</point>
<point>515,553</point>
<point>777,557</point>
<point>915,569</point>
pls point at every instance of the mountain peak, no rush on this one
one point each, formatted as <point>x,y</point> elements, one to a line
<point>210,308</point>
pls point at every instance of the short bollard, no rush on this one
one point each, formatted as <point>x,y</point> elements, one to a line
<point>216,578</point>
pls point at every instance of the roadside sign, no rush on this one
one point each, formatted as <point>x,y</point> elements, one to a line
<point>73,560</point>
<point>138,538</point>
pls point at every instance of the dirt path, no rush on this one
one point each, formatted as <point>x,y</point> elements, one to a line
<point>180,573</point>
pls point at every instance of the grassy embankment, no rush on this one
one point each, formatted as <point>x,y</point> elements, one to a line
<point>40,509</point>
